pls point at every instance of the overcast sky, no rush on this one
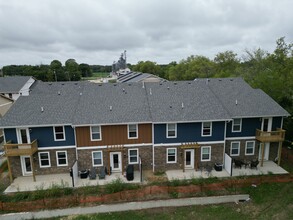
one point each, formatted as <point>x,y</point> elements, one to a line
<point>98,31</point>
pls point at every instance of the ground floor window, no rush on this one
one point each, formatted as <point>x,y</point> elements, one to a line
<point>44,159</point>
<point>61,158</point>
<point>235,149</point>
<point>249,148</point>
<point>171,155</point>
<point>206,153</point>
<point>133,156</point>
<point>97,158</point>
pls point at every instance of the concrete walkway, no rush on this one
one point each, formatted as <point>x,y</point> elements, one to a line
<point>125,207</point>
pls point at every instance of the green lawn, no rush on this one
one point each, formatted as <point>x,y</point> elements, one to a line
<point>97,75</point>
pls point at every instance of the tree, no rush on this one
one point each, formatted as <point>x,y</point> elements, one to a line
<point>147,67</point>
<point>57,71</point>
<point>71,70</point>
<point>85,70</point>
<point>227,64</point>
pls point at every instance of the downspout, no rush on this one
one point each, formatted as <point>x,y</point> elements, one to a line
<point>225,131</point>
<point>153,147</point>
<point>76,154</point>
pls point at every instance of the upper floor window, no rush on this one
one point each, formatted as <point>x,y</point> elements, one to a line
<point>236,125</point>
<point>132,131</point>
<point>171,130</point>
<point>133,156</point>
<point>235,148</point>
<point>171,155</point>
<point>249,148</point>
<point>59,133</point>
<point>96,133</point>
<point>206,129</point>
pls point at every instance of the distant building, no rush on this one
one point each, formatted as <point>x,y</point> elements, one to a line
<point>138,77</point>
<point>120,67</point>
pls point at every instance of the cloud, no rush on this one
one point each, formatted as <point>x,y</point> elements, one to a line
<point>97,32</point>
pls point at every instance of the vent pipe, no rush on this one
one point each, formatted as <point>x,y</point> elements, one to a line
<point>42,109</point>
<point>236,102</point>
<point>182,105</point>
<point>110,107</point>
<point>150,91</point>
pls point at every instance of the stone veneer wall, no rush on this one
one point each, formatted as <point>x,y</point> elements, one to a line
<point>85,157</point>
<point>242,155</point>
<point>161,164</point>
<point>71,157</point>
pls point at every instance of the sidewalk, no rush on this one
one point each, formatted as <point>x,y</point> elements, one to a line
<point>125,207</point>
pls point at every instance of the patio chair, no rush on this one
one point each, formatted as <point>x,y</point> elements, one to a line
<point>83,174</point>
<point>238,163</point>
<point>92,174</point>
<point>253,164</point>
<point>102,173</point>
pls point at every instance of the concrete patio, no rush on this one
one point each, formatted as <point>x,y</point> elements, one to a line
<point>269,167</point>
<point>26,183</point>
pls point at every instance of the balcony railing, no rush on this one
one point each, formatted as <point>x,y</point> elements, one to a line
<point>270,136</point>
<point>20,149</point>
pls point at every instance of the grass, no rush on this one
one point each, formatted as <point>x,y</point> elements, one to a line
<point>97,75</point>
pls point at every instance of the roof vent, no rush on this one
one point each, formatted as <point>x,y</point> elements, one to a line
<point>76,83</point>
<point>62,84</point>
<point>170,106</point>
<point>100,84</point>
<point>236,102</point>
<point>161,83</point>
<point>110,107</point>
<point>80,93</point>
<point>220,80</point>
<point>189,83</point>
<point>59,92</point>
<point>129,84</point>
<point>42,109</point>
<point>50,83</point>
<point>143,84</point>
<point>182,105</point>
<point>175,83</point>
<point>123,90</point>
<point>231,80</point>
<point>115,84</point>
<point>150,91</point>
<point>168,87</point>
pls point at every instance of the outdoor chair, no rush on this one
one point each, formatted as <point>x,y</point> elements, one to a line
<point>238,163</point>
<point>83,174</point>
<point>253,164</point>
<point>93,174</point>
<point>102,173</point>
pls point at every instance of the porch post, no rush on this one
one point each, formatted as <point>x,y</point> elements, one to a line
<point>262,153</point>
<point>122,158</point>
<point>183,160</point>
<point>279,153</point>
<point>109,166</point>
<point>195,158</point>
<point>33,168</point>
<point>9,169</point>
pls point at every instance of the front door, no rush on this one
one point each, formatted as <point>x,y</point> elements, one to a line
<point>115,161</point>
<point>26,165</point>
<point>189,159</point>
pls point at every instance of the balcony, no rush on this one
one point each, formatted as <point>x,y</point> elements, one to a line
<point>20,149</point>
<point>270,136</point>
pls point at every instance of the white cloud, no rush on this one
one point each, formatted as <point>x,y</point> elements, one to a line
<point>96,32</point>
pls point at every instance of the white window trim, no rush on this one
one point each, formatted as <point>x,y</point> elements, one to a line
<point>64,137</point>
<point>44,152</point>
<point>210,153</point>
<point>167,133</point>
<point>91,132</point>
<point>137,156</point>
<point>136,127</point>
<point>211,129</point>
<point>18,134</point>
<point>246,147</point>
<point>57,159</point>
<point>239,126</point>
<point>175,155</point>
<point>235,142</point>
<point>99,165</point>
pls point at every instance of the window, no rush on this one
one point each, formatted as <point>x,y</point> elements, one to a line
<point>235,149</point>
<point>206,129</point>
<point>97,158</point>
<point>96,133</point>
<point>59,133</point>
<point>171,155</point>
<point>132,131</point>
<point>44,159</point>
<point>206,153</point>
<point>249,149</point>
<point>236,125</point>
<point>61,158</point>
<point>171,130</point>
<point>133,156</point>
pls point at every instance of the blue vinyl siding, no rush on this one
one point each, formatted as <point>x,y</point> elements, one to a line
<point>188,132</point>
<point>277,121</point>
<point>10,135</point>
<point>249,126</point>
<point>45,137</point>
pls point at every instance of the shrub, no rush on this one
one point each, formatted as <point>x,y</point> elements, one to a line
<point>115,186</point>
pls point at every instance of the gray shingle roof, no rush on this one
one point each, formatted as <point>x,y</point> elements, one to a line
<point>84,103</point>
<point>250,102</point>
<point>12,84</point>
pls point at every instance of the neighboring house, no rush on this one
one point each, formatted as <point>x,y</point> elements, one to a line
<point>5,104</point>
<point>166,125</point>
<point>15,86</point>
<point>138,77</point>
